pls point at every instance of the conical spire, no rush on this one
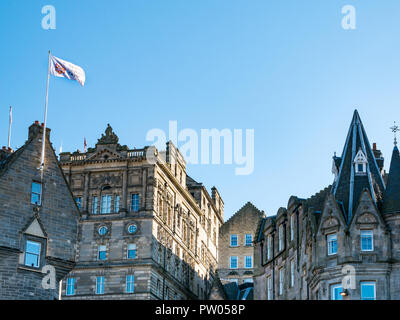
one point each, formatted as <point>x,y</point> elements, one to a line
<point>391,201</point>
<point>358,170</point>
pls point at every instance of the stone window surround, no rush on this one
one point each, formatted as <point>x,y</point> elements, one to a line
<point>43,250</point>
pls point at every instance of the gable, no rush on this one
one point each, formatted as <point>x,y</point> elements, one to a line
<point>104,155</point>
<point>35,229</point>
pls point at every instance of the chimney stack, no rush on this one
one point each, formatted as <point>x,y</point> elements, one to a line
<point>37,128</point>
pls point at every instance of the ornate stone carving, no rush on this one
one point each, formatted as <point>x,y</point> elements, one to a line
<point>367,218</point>
<point>109,138</point>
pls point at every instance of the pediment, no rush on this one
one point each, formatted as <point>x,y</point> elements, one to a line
<point>103,155</point>
<point>330,222</point>
<point>367,218</point>
<point>35,228</point>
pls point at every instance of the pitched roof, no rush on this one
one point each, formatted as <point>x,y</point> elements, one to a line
<point>243,210</point>
<point>348,185</point>
<point>391,201</point>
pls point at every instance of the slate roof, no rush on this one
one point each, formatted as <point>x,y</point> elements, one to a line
<point>391,202</point>
<point>348,186</point>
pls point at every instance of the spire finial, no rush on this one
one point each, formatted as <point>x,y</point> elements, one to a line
<point>394,130</point>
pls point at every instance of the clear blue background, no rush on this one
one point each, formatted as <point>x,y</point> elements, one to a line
<point>284,68</point>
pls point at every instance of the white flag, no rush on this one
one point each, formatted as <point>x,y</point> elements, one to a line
<point>65,69</point>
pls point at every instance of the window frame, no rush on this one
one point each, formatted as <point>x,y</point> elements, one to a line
<point>246,236</point>
<point>329,246</point>
<point>135,204</point>
<point>371,233</point>
<point>105,206</point>
<point>245,262</point>
<point>99,251</point>
<point>39,255</point>
<point>237,240</point>
<point>281,236</point>
<point>100,285</point>
<point>36,193</point>
<point>78,201</point>
<point>117,202</point>
<point>130,283</point>
<point>367,283</point>
<point>130,250</point>
<point>232,258</point>
<point>281,280</point>
<point>269,288</point>
<point>95,203</point>
<point>292,273</point>
<point>292,227</point>
<point>68,285</point>
<point>332,291</point>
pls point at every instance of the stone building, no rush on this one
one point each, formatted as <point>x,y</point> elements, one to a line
<point>343,242</point>
<point>236,250</point>
<point>38,221</point>
<point>148,231</point>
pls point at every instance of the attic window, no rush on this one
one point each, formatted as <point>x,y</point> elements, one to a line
<point>360,163</point>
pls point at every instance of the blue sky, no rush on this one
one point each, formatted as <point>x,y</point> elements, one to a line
<point>283,68</point>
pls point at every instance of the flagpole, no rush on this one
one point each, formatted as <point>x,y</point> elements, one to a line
<point>45,115</point>
<point>9,128</point>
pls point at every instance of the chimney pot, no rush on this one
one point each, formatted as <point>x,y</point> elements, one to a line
<point>374,146</point>
<point>42,124</point>
<point>4,148</point>
<point>37,122</point>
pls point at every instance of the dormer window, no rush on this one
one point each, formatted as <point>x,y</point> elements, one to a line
<point>360,163</point>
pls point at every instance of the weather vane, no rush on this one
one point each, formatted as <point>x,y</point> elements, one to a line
<point>394,130</point>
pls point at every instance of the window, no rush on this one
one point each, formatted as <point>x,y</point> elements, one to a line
<point>36,196</point>
<point>105,204</point>
<point>158,288</point>
<point>103,230</point>
<point>281,238</point>
<point>367,240</point>
<point>95,203</point>
<point>132,228</point>
<point>78,201</point>
<point>292,270</point>
<point>116,203</point>
<point>102,253</point>
<point>167,294</point>
<point>332,244</point>
<point>32,253</point>
<point>269,288</point>
<point>248,262</point>
<point>292,227</point>
<point>131,251</point>
<point>248,242</point>
<point>234,240</point>
<point>135,202</point>
<point>248,280</point>
<point>100,285</point>
<point>70,291</point>
<point>368,291</point>
<point>281,280</point>
<point>360,163</point>
<point>269,247</point>
<point>130,283</point>
<point>233,262</point>
<point>336,289</point>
